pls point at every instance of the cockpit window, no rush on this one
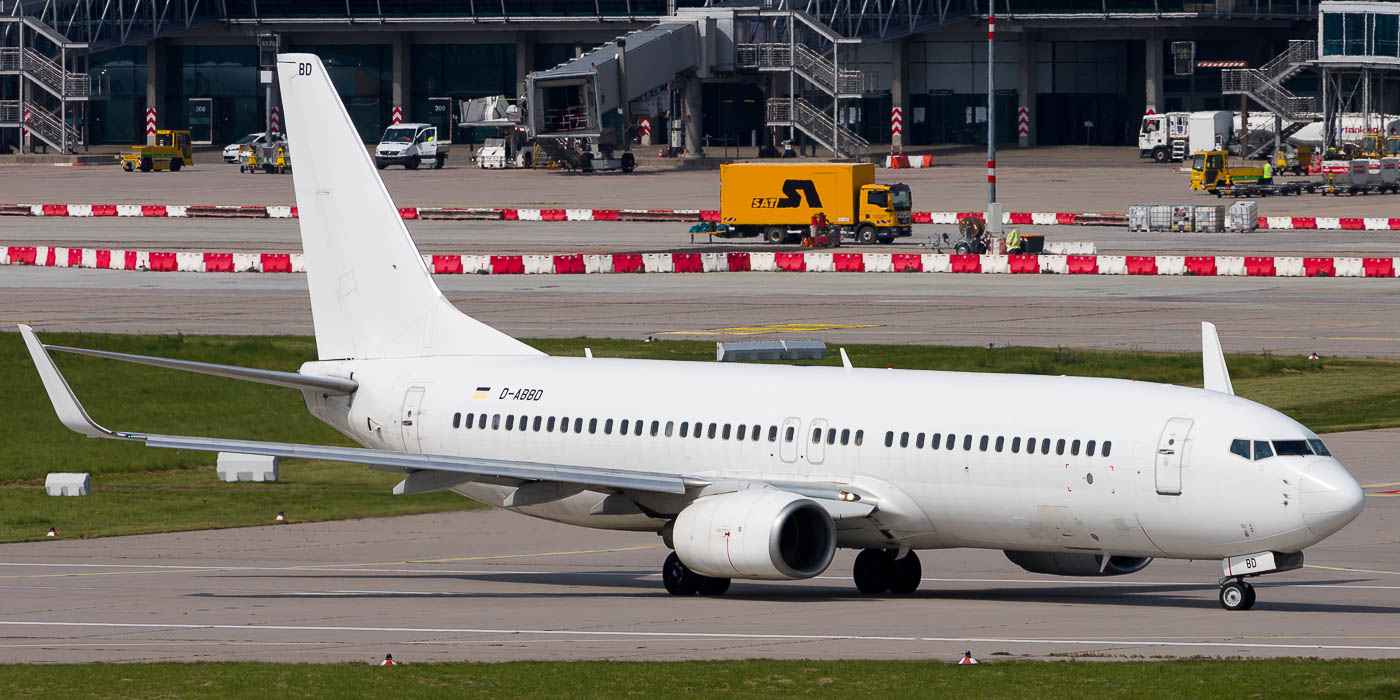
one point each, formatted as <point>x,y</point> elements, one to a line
<point>1262,449</point>
<point>1240,447</point>
<point>1292,448</point>
<point>1319,448</point>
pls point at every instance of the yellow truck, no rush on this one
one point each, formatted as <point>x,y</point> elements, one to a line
<point>171,152</point>
<point>1212,169</point>
<point>778,200</point>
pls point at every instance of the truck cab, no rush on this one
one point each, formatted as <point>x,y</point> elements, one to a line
<point>886,208</point>
<point>1211,169</point>
<point>1162,137</point>
<point>410,145</point>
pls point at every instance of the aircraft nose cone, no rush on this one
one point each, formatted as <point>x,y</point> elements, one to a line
<point>1331,498</point>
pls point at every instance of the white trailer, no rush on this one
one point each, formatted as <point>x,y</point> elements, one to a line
<point>1172,136</point>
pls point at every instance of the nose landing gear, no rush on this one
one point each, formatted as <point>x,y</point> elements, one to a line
<point>1236,594</point>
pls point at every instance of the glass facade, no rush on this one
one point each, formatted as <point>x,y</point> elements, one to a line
<point>122,117</point>
<point>369,9</point>
<point>1360,34</point>
<point>227,75</point>
<point>459,71</point>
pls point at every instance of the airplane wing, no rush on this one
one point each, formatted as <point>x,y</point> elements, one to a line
<point>838,498</point>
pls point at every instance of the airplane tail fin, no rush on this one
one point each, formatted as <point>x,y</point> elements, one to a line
<point>372,295</point>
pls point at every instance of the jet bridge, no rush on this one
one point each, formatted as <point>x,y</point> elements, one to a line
<point>578,99</point>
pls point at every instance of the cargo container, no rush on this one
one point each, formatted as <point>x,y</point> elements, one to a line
<point>778,201</point>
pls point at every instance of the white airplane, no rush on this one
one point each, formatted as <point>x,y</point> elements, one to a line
<point>759,471</point>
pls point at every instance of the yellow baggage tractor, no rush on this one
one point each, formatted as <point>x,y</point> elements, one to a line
<point>1212,169</point>
<point>171,151</point>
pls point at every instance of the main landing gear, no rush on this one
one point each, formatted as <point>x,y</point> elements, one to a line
<point>680,580</point>
<point>879,571</point>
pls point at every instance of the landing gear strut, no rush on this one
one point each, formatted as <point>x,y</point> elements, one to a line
<point>680,580</point>
<point>878,571</point>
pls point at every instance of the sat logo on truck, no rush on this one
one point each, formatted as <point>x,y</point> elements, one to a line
<point>793,191</point>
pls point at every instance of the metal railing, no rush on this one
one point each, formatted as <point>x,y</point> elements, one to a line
<point>50,73</point>
<point>1268,93</point>
<point>818,125</point>
<point>1300,52</point>
<point>52,130</point>
<point>9,111</point>
<point>816,68</point>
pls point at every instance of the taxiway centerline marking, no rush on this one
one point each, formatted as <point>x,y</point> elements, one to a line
<point>701,635</point>
<point>1343,568</point>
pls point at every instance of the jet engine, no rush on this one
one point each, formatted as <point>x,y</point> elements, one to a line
<point>1061,564</point>
<point>756,534</point>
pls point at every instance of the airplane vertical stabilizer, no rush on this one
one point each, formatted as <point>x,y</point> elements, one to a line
<point>1217,375</point>
<point>372,296</point>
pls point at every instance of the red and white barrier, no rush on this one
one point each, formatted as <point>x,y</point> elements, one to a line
<point>739,261</point>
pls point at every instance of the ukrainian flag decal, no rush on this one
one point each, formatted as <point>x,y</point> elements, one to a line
<point>481,392</point>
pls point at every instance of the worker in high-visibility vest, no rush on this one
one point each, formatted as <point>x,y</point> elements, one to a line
<point>1013,240</point>
<point>1268,178</point>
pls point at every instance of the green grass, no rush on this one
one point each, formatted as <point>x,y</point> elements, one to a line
<point>1074,680</point>
<point>137,489</point>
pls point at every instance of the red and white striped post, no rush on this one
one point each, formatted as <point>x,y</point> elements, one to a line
<point>396,116</point>
<point>276,123</point>
<point>150,126</point>
<point>1023,127</point>
<point>993,209</point>
<point>896,131</point>
<point>25,132</point>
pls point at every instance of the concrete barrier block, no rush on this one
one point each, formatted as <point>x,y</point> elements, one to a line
<point>67,484</point>
<point>235,466</point>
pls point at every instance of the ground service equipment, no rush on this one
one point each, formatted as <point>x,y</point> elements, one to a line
<point>1169,136</point>
<point>778,201</point>
<point>170,152</point>
<point>1213,169</point>
<point>411,145</point>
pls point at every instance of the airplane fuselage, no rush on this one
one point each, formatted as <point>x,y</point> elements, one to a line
<point>1117,467</point>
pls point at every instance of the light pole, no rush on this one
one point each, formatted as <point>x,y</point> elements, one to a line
<point>993,209</point>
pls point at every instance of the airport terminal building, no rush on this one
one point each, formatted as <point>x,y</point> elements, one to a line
<point>83,72</point>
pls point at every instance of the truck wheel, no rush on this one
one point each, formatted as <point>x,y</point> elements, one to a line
<point>629,162</point>
<point>439,161</point>
<point>775,234</point>
<point>380,164</point>
<point>175,165</point>
<point>147,165</point>
<point>127,166</point>
<point>962,248</point>
<point>411,163</point>
<point>1160,155</point>
<point>865,235</point>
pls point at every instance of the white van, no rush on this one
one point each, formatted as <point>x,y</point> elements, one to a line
<point>410,145</point>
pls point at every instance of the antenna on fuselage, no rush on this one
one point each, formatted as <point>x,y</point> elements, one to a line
<point>1217,375</point>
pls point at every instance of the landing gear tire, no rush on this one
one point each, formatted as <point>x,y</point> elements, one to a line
<point>1237,595</point>
<point>678,578</point>
<point>908,573</point>
<point>874,571</point>
<point>865,235</point>
<point>775,234</point>
<point>710,585</point>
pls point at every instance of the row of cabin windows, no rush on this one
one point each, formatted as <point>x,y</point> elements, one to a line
<point>725,431</point>
<point>938,441</point>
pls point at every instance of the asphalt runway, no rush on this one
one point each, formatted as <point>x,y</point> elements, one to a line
<point>1338,316</point>
<point>496,586</point>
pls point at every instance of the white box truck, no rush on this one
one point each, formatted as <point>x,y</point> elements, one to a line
<point>1174,136</point>
<point>411,145</point>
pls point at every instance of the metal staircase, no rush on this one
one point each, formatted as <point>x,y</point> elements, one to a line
<point>1264,85</point>
<point>817,125</point>
<point>810,65</point>
<point>560,151</point>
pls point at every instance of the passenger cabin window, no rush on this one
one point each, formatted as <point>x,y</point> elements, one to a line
<point>535,426</point>
<point>830,436</point>
<point>1060,446</point>
<point>1089,448</point>
<point>549,425</point>
<point>656,428</point>
<point>725,433</point>
<point>1001,441</point>
<point>637,428</point>
<point>1262,449</point>
<point>934,441</point>
<point>592,426</point>
<point>578,425</point>
<point>789,434</point>
<point>711,431</point>
<point>1015,445</point>
<point>845,436</point>
<point>904,439</point>
<point>1074,448</point>
<point>742,430</point>
<point>470,416</point>
<point>919,441</point>
<point>607,426</point>
<point>772,433</point>
<point>1045,446</point>
<point>685,428</point>
<point>967,443</point>
<point>1107,446</point>
<point>456,420</point>
<point>564,425</point>
<point>756,432</point>
<point>670,425</point>
<point>982,444</point>
<point>1240,447</point>
<point>889,438</point>
<point>496,421</point>
<point>860,437</point>
<point>625,425</point>
<point>816,435</point>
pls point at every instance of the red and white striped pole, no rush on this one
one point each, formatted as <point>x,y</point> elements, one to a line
<point>397,116</point>
<point>993,211</point>
<point>150,125</point>
<point>276,127</point>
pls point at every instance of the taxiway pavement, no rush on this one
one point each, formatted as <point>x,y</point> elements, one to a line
<point>497,586</point>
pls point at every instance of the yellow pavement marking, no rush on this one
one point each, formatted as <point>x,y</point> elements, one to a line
<point>1343,568</point>
<point>1384,495</point>
<point>1380,485</point>
<point>334,566</point>
<point>774,328</point>
<point>181,643</point>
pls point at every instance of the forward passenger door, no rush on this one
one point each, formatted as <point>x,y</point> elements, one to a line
<point>1171,456</point>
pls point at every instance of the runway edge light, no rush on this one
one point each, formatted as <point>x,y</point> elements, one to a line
<point>967,659</point>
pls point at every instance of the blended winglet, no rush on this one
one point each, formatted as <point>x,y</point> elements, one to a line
<point>1217,375</point>
<point>65,404</point>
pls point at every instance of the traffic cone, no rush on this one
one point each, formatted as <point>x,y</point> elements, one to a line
<point>388,660</point>
<point>967,658</point>
<point>281,516</point>
<point>53,532</point>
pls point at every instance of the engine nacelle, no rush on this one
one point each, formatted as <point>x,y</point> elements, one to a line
<point>1062,564</point>
<point>756,534</point>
